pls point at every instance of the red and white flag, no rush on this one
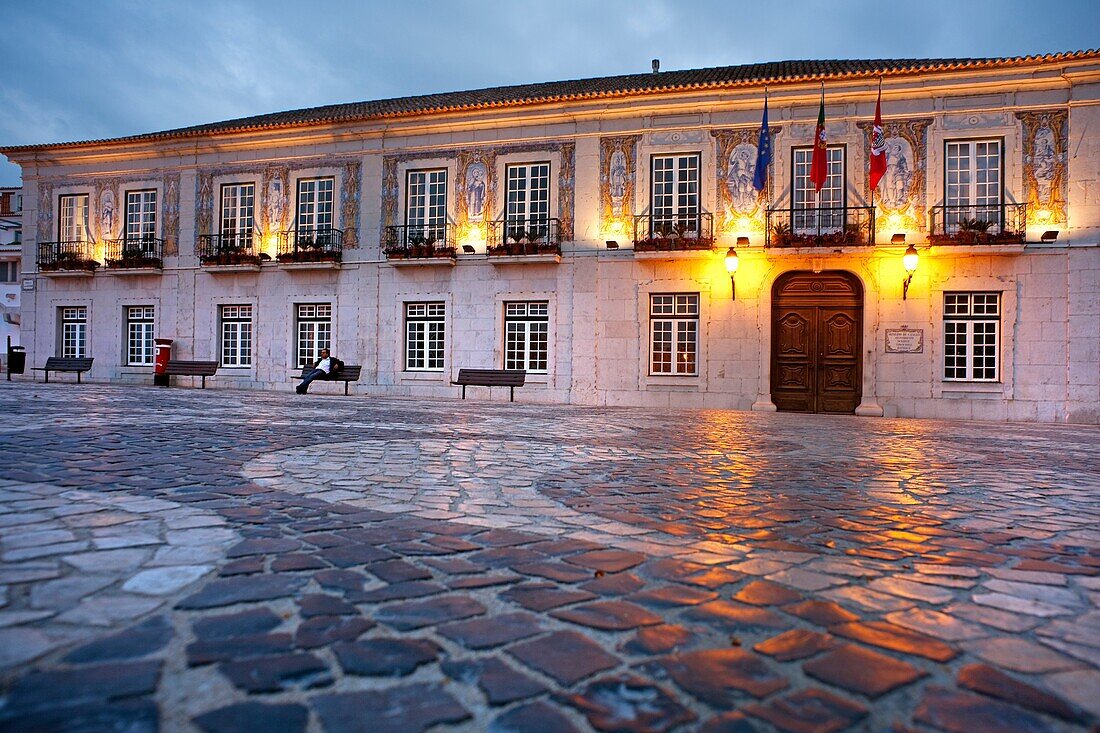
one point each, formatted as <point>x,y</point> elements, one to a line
<point>819,164</point>
<point>878,145</point>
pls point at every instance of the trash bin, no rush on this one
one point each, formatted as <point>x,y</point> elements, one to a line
<point>17,359</point>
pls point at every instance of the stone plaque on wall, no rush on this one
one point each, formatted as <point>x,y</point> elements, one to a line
<point>905,340</point>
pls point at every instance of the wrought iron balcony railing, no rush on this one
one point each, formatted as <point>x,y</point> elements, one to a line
<point>311,245</point>
<point>978,224</point>
<point>673,232</point>
<point>238,248</point>
<point>821,227</point>
<point>419,241</point>
<point>146,252</point>
<point>524,237</point>
<point>66,256</point>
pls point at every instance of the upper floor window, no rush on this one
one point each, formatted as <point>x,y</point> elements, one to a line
<point>674,333</point>
<point>315,204</point>
<point>238,209</point>
<point>674,195</point>
<point>72,225</point>
<point>817,211</point>
<point>141,214</point>
<point>527,188</point>
<point>426,202</point>
<point>971,336</point>
<point>973,185</point>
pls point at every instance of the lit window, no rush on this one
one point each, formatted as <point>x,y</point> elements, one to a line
<point>314,331</point>
<point>236,348</point>
<point>425,325</point>
<point>674,198</point>
<point>971,336</point>
<point>674,333</point>
<point>526,334</point>
<point>818,212</point>
<point>73,222</point>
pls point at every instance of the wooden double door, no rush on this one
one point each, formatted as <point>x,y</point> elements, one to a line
<point>817,342</point>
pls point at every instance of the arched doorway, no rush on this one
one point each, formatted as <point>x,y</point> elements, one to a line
<point>817,342</point>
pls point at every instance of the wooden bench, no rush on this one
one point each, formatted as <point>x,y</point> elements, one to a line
<point>350,373</point>
<point>60,364</point>
<point>510,378</point>
<point>179,368</point>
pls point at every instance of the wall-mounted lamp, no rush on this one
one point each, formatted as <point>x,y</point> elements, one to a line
<point>468,249</point>
<point>909,260</point>
<point>897,239</point>
<point>611,244</point>
<point>1049,237</point>
<point>731,267</point>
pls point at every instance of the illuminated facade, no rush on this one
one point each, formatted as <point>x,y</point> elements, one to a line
<point>581,231</point>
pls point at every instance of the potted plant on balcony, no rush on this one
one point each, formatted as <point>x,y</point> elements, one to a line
<point>69,261</point>
<point>133,256</point>
<point>782,236</point>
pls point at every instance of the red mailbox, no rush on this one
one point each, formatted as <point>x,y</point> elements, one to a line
<point>164,353</point>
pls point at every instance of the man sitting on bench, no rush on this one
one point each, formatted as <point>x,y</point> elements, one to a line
<point>325,368</point>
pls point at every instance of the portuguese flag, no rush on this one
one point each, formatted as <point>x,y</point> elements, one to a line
<point>878,144</point>
<point>819,166</point>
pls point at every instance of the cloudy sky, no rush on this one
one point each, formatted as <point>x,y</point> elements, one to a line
<point>80,70</point>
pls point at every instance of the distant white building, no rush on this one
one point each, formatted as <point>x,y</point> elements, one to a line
<point>11,249</point>
<point>581,230</point>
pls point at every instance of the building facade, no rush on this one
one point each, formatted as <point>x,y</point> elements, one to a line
<point>583,230</point>
<point>11,256</point>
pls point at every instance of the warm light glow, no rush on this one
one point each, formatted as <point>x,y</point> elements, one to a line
<point>731,261</point>
<point>910,258</point>
<point>744,224</point>
<point>1043,215</point>
<point>473,237</point>
<point>896,221</point>
<point>616,227</point>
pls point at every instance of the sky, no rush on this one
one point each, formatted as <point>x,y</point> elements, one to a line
<point>85,70</point>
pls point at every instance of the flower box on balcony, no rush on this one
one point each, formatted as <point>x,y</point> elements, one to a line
<point>135,262</point>
<point>514,248</point>
<point>227,259</point>
<point>69,262</point>
<point>673,244</point>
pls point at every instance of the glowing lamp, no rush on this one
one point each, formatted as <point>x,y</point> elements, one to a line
<point>1049,237</point>
<point>909,260</point>
<point>731,267</point>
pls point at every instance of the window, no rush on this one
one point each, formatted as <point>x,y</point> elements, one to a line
<point>238,210</point>
<point>315,204</point>
<point>424,331</point>
<point>314,332</point>
<point>528,192</point>
<point>73,223</point>
<point>139,335</point>
<point>9,271</point>
<point>674,333</point>
<point>674,198</point>
<point>526,332</point>
<point>141,215</point>
<point>426,202</point>
<point>971,328</point>
<point>972,188</point>
<point>806,202</point>
<point>236,336</point>
<point>74,332</point>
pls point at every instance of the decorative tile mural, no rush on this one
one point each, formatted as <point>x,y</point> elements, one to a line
<point>618,168</point>
<point>740,207</point>
<point>274,212</point>
<point>170,212</point>
<point>45,212</point>
<point>900,198</point>
<point>1045,158</point>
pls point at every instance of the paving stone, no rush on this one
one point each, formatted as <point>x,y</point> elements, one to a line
<point>609,561</point>
<point>673,595</point>
<point>296,561</point>
<point>483,581</point>
<point>795,644</point>
<point>382,657</point>
<point>407,709</point>
<point>208,651</point>
<point>717,676</point>
<point>324,630</point>
<point>230,591</point>
<point>124,716</point>
<point>396,592</point>
<point>347,556</point>
<point>936,624</point>
<point>493,631</point>
<point>730,617</point>
<point>140,640</point>
<point>17,618</point>
<point>862,670</point>
<point>566,656</point>
<point>692,573</point>
<point>909,589</point>
<point>995,683</point>
<point>537,717</point>
<point>767,593</point>
<point>65,593</point>
<point>245,623</point>
<point>244,566</point>
<point>1006,602</point>
<point>659,640</point>
<point>397,571</point>
<point>342,580</point>
<point>556,571</point>
<point>544,596</point>
<point>276,673</point>
<point>19,645</point>
<point>417,614</point>
<point>608,615</point>
<point>316,604</point>
<point>809,711</point>
<point>1020,655</point>
<point>1002,620</point>
<point>614,584</point>
<point>107,609</point>
<point>962,712</point>
<point>1081,687</point>
<point>501,683</point>
<point>896,638</point>
<point>629,704</point>
<point>85,684</point>
<point>735,722</point>
<point>821,613</point>
<point>165,581</point>
<point>279,718</point>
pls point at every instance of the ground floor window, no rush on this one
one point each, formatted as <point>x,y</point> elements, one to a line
<point>139,335</point>
<point>971,337</point>
<point>526,334</point>
<point>74,332</point>
<point>425,325</point>
<point>674,333</point>
<point>236,333</point>
<point>314,330</point>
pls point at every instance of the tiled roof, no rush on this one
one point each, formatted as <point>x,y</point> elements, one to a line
<point>720,77</point>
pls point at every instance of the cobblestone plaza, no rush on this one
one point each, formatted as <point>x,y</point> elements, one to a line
<point>188,560</point>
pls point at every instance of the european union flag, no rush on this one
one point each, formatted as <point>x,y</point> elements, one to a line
<point>763,153</point>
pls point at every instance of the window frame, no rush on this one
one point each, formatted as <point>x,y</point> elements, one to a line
<point>513,218</point>
<point>237,231</point>
<point>433,218</point>
<point>677,213</point>
<point>140,340</point>
<point>836,219</point>
<point>431,342</point>
<point>525,332</point>
<point>315,200</point>
<point>951,321</point>
<point>952,219</point>
<point>241,334</point>
<point>80,324</point>
<point>674,320</point>
<point>320,338</point>
<point>84,225</point>
<point>142,215</point>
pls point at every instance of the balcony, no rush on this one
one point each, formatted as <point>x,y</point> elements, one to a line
<point>981,224</point>
<point>235,252</point>
<point>519,241</point>
<point>134,256</point>
<point>838,226</point>
<point>72,258</point>
<point>664,233</point>
<point>311,249</point>
<point>420,245</point>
